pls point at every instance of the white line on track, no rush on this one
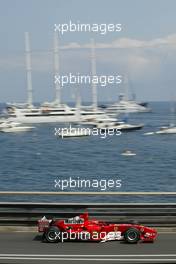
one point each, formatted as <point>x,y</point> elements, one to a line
<point>136,258</point>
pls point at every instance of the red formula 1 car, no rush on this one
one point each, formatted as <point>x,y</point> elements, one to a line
<point>83,229</point>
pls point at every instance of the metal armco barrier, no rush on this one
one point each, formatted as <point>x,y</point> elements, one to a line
<point>152,214</point>
<point>44,193</point>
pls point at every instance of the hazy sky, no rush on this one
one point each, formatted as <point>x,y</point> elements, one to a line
<point>145,49</point>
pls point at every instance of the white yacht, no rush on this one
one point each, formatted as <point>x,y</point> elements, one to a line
<point>4,123</point>
<point>40,114</point>
<point>13,127</point>
<point>126,106</point>
<point>162,131</point>
<point>49,114</point>
<point>16,129</point>
<point>167,130</point>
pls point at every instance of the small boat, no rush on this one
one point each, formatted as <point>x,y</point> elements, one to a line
<point>130,127</point>
<point>7,123</point>
<point>13,127</point>
<point>16,129</point>
<point>119,125</point>
<point>166,130</point>
<point>162,131</point>
<point>128,153</point>
<point>171,129</point>
<point>149,133</point>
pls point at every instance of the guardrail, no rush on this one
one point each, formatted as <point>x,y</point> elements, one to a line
<point>26,214</point>
<point>86,193</point>
<point>152,214</point>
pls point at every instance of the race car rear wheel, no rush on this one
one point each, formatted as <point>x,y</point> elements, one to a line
<point>132,235</point>
<point>52,235</point>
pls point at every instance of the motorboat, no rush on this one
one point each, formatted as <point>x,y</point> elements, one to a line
<point>130,127</point>
<point>120,125</point>
<point>128,153</point>
<point>6,123</point>
<point>171,129</point>
<point>167,130</point>
<point>16,129</point>
<point>13,127</point>
<point>163,130</point>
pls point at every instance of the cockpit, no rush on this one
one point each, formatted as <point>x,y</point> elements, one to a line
<point>74,220</point>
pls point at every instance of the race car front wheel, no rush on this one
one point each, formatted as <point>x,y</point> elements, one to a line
<point>132,235</point>
<point>52,235</point>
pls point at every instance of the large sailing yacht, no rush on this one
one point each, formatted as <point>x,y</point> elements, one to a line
<point>52,114</point>
<point>54,111</point>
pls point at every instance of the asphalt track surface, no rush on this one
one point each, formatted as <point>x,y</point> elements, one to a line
<point>28,248</point>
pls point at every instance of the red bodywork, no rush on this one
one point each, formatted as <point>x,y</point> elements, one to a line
<point>92,227</point>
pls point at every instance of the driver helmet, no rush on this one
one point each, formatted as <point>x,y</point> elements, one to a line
<point>77,218</point>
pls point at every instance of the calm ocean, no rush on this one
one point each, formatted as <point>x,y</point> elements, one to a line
<point>32,161</point>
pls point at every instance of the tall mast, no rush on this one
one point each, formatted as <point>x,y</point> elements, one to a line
<point>78,103</point>
<point>93,69</point>
<point>126,84</point>
<point>56,69</point>
<point>28,69</point>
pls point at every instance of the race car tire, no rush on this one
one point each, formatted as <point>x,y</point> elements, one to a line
<point>132,235</point>
<point>52,235</point>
